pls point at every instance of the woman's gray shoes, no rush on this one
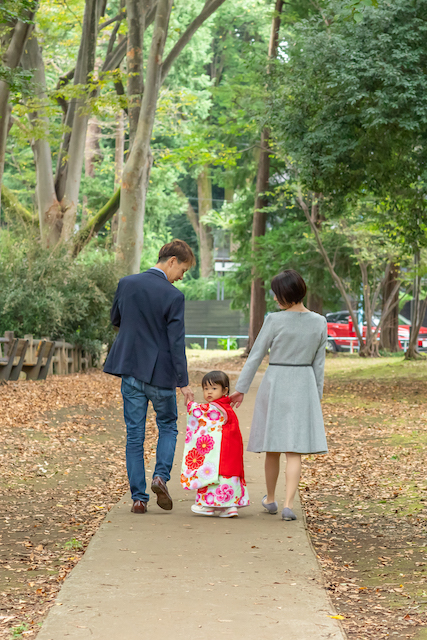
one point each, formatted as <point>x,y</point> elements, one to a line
<point>271,507</point>
<point>288,514</point>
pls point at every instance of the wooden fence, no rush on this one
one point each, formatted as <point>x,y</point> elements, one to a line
<point>67,358</point>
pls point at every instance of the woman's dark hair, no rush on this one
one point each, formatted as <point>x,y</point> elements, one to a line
<point>216,377</point>
<point>178,248</point>
<point>289,287</point>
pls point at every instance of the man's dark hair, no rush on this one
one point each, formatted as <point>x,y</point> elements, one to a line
<point>216,377</point>
<point>178,248</point>
<point>289,287</point>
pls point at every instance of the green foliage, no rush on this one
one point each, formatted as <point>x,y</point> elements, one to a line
<point>73,544</point>
<point>232,343</point>
<point>196,345</point>
<point>202,288</point>
<point>48,294</point>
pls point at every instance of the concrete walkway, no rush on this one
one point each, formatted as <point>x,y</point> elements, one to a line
<point>174,575</point>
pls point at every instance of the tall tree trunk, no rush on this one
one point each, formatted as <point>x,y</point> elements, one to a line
<point>258,304</point>
<point>86,65</point>
<point>204,192</point>
<point>137,169</point>
<point>136,11</point>
<point>11,60</point>
<point>390,329</point>
<point>118,167</point>
<point>314,302</point>
<point>419,308</point>
<point>49,210</point>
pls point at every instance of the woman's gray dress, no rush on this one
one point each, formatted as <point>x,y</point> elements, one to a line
<point>288,415</point>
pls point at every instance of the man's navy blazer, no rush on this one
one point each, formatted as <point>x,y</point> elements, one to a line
<point>150,345</point>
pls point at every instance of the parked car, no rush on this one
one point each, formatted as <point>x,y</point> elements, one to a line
<point>340,327</point>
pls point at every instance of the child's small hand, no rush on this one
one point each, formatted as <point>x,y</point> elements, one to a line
<point>236,399</point>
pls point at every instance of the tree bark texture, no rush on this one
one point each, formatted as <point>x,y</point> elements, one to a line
<point>136,11</point>
<point>49,210</point>
<point>118,167</point>
<point>11,60</point>
<point>418,311</point>
<point>85,66</point>
<point>204,192</point>
<point>137,169</point>
<point>314,302</point>
<point>389,333</point>
<point>258,304</point>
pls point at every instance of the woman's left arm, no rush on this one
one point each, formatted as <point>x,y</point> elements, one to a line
<point>319,361</point>
<point>259,350</point>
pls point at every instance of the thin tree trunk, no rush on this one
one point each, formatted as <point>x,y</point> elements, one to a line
<point>418,312</point>
<point>191,212</point>
<point>49,210</point>
<point>136,11</point>
<point>339,283</point>
<point>258,304</point>
<point>118,168</point>
<point>86,56</point>
<point>389,332</point>
<point>204,192</point>
<point>137,169</point>
<point>314,302</point>
<point>11,60</point>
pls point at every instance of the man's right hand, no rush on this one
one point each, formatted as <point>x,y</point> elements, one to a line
<point>188,394</point>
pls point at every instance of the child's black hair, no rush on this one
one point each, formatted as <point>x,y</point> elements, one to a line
<point>217,377</point>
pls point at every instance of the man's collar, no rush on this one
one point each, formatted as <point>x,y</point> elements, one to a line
<point>157,270</point>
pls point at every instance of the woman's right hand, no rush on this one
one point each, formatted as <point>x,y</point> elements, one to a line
<point>236,399</point>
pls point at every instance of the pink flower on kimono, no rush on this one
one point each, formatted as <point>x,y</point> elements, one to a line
<point>194,484</point>
<point>210,498</point>
<point>197,413</point>
<point>204,444</point>
<point>204,407</point>
<point>189,473</point>
<point>224,492</point>
<point>188,436</point>
<point>214,414</point>
<point>207,471</point>
<point>192,423</point>
<point>203,431</point>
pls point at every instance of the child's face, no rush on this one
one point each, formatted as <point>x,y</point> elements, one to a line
<point>212,391</point>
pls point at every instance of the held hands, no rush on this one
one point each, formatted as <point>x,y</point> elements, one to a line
<point>188,394</point>
<point>236,399</point>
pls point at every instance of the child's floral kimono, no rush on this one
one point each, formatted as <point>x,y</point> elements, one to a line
<point>213,455</point>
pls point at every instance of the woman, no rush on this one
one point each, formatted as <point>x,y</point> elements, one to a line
<point>288,415</point>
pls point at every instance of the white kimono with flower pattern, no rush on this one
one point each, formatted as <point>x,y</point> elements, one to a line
<point>200,463</point>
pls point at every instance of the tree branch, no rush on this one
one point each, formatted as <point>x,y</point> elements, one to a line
<point>13,208</point>
<point>118,18</point>
<point>210,7</point>
<point>96,223</point>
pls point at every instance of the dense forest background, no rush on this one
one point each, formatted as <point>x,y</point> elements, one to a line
<point>266,134</point>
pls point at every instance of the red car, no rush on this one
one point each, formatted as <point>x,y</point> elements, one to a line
<point>340,329</point>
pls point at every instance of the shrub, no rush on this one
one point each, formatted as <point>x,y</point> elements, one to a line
<point>47,293</point>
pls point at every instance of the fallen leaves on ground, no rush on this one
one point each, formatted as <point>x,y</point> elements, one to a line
<point>62,467</point>
<point>365,504</point>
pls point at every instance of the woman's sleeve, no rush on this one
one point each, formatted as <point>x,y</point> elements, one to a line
<point>319,361</point>
<point>258,351</point>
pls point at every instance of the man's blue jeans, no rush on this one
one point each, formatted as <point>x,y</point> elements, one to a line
<point>136,395</point>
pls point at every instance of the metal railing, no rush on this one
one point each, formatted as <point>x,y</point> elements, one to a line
<point>206,337</point>
<point>344,339</point>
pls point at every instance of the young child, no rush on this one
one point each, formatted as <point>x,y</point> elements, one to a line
<point>213,454</point>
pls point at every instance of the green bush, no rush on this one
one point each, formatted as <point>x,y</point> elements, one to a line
<point>222,343</point>
<point>47,293</point>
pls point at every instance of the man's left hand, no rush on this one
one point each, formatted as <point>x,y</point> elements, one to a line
<point>188,394</point>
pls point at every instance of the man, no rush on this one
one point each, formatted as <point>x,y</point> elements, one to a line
<point>149,355</point>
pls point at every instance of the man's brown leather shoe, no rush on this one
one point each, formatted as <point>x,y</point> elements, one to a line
<point>139,507</point>
<point>158,486</point>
